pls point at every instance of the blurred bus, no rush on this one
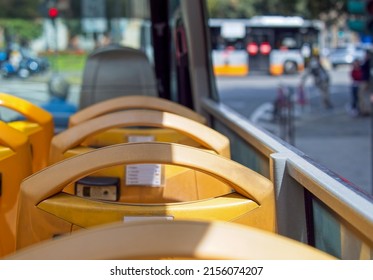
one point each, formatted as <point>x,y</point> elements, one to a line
<point>272,44</point>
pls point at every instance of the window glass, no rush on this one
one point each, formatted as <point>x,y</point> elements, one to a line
<point>34,47</point>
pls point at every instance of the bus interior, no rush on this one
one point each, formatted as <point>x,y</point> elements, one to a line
<point>209,172</point>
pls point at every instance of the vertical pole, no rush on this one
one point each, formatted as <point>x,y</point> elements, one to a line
<point>288,114</point>
<point>291,116</point>
<point>53,14</point>
<point>371,113</point>
<point>371,143</point>
<point>281,104</point>
<point>56,42</point>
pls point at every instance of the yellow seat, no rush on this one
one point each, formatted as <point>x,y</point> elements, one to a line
<point>46,211</point>
<point>176,239</point>
<point>115,136</point>
<point>199,134</point>
<point>38,126</point>
<point>15,165</point>
<point>133,102</point>
<point>171,183</point>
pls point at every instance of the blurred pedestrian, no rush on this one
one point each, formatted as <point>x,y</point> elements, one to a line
<point>321,78</point>
<point>356,77</point>
<point>364,88</point>
<point>57,105</point>
<point>15,59</point>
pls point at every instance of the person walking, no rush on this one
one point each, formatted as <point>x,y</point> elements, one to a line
<point>356,77</point>
<point>364,88</point>
<point>321,78</point>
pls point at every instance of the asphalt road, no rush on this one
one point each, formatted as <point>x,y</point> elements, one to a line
<point>332,138</point>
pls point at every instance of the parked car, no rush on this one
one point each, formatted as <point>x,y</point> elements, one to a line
<point>345,55</point>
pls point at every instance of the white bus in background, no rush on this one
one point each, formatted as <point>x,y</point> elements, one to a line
<point>273,44</point>
<point>229,54</point>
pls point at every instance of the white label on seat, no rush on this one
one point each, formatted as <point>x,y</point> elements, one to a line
<point>144,175</point>
<point>141,138</point>
<point>146,218</point>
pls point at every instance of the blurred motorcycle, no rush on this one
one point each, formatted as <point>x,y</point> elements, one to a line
<point>26,67</point>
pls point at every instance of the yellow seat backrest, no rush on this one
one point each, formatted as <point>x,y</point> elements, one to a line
<point>133,102</point>
<point>45,211</point>
<point>15,165</point>
<point>115,136</point>
<point>38,126</point>
<point>176,239</point>
<point>171,183</point>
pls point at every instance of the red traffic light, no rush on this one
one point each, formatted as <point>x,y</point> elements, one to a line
<point>53,12</point>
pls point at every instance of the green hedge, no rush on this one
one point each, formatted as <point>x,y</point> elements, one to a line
<point>21,29</point>
<point>64,61</point>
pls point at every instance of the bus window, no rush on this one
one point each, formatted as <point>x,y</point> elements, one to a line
<point>287,42</point>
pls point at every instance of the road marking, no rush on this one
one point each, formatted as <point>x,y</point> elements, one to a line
<point>264,111</point>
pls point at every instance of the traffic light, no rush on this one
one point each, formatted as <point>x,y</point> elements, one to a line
<point>53,13</point>
<point>360,16</point>
<point>357,15</point>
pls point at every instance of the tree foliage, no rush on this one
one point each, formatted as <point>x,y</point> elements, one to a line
<point>312,9</point>
<point>217,8</point>
<point>21,29</point>
<point>19,20</point>
<point>25,9</point>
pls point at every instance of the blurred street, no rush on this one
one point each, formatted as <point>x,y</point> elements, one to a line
<point>332,138</point>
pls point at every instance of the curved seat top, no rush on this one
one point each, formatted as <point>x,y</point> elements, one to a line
<point>200,133</point>
<point>133,102</point>
<point>172,239</point>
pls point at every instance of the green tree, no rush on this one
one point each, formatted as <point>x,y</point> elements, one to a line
<point>230,8</point>
<point>316,8</point>
<point>330,11</point>
<point>21,30</point>
<point>247,8</point>
<point>26,9</point>
<point>277,7</point>
<point>18,20</point>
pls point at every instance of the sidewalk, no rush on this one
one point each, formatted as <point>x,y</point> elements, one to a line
<point>340,142</point>
<point>337,141</point>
